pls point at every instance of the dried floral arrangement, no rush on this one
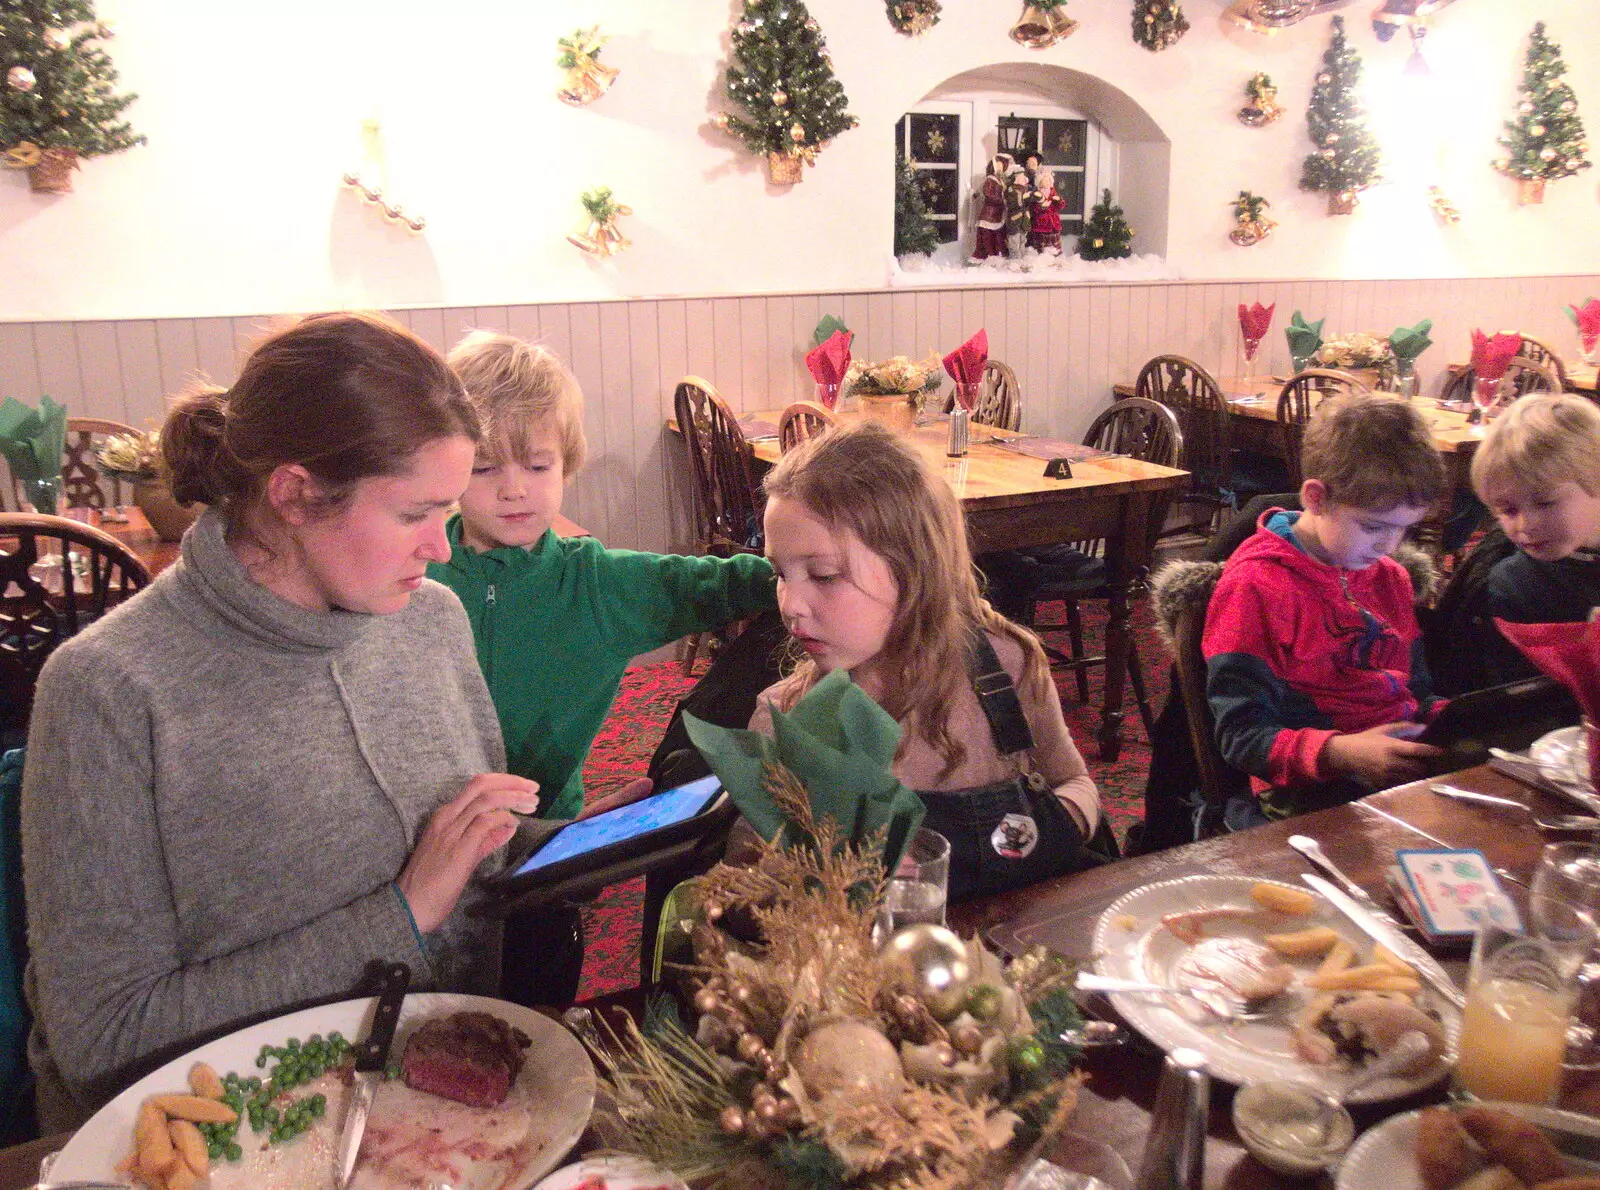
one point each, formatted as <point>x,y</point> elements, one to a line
<point>1363,349</point>
<point>896,375</point>
<point>819,1061</point>
<point>133,457</point>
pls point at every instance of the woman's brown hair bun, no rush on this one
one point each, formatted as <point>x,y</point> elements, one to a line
<point>194,448</point>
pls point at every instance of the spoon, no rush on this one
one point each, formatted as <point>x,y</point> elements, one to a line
<point>1407,1049</point>
<point>1557,822</point>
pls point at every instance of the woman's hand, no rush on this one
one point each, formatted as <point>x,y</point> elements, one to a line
<point>1380,756</point>
<point>456,840</point>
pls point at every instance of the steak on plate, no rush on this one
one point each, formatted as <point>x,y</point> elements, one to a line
<point>470,1057</point>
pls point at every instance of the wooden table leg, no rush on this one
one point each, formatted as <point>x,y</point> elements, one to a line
<point>1126,558</point>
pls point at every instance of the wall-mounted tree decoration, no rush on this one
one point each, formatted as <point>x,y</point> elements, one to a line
<point>1545,141</point>
<point>587,79</point>
<point>1344,160</point>
<point>1263,107</point>
<point>912,17</point>
<point>602,236</point>
<point>57,99</point>
<point>1042,24</point>
<point>1251,224</point>
<point>1107,234</point>
<point>782,79</point>
<point>1158,24</point>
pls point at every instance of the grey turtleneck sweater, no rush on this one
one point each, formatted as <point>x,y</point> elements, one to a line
<point>220,789</point>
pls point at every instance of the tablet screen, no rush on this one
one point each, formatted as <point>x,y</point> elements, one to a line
<point>623,823</point>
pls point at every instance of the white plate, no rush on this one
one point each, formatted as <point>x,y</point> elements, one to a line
<point>1386,1154</point>
<point>620,1173</point>
<point>558,1079</point>
<point>1563,756</point>
<point>1132,943</point>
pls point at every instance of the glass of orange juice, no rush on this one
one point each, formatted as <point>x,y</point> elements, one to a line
<point>1514,1027</point>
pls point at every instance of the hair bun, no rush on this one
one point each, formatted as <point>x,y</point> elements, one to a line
<point>193,445</point>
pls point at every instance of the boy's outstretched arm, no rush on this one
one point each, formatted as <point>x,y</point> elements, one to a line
<point>653,599</point>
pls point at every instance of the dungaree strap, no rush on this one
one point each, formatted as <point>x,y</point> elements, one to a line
<point>997,695</point>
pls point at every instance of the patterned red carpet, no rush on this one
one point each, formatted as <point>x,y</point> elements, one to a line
<point>649,693</point>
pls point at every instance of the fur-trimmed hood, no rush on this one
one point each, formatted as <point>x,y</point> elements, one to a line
<point>1187,583</point>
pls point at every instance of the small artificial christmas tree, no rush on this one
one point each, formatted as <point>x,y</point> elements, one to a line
<point>1345,159</point>
<point>781,77</point>
<point>914,229</point>
<point>57,101</point>
<point>1158,24</point>
<point>1545,141</point>
<point>1107,235</point>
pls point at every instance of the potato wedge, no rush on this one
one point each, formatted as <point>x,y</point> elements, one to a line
<point>1291,902</point>
<point>1383,956</point>
<point>1342,955</point>
<point>1373,977</point>
<point>191,1146</point>
<point>154,1142</point>
<point>1318,940</point>
<point>193,1107</point>
<point>203,1081</point>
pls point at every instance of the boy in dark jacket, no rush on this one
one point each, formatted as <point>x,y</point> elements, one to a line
<point>1315,671</point>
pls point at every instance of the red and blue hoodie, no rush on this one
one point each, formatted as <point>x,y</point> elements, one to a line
<point>1298,651</point>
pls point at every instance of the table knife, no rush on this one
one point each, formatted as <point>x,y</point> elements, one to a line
<point>372,1055</point>
<point>1381,929</point>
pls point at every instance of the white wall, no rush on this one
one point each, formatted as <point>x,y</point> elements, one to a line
<point>253,112</point>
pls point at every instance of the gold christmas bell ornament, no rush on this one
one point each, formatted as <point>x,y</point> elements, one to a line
<point>1039,28</point>
<point>587,77</point>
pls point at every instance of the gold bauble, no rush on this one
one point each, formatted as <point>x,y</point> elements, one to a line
<point>57,39</point>
<point>847,1055</point>
<point>930,961</point>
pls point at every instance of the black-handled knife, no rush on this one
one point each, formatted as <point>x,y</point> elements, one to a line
<point>372,1055</point>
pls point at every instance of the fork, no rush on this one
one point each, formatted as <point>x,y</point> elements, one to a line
<point>1212,1002</point>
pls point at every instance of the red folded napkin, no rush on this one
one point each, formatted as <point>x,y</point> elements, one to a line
<point>1569,653</point>
<point>830,360</point>
<point>1491,355</point>
<point>1587,316</point>
<point>1254,323</point>
<point>965,365</point>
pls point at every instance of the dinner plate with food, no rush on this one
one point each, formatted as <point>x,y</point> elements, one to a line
<point>1484,1146</point>
<point>483,1095</point>
<point>1269,981</point>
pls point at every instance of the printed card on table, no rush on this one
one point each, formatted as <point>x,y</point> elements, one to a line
<point>1455,891</point>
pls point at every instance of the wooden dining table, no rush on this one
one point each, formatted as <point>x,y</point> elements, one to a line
<point>1253,422</point>
<point>1061,915</point>
<point>1010,503</point>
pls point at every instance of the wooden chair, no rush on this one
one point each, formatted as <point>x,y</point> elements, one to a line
<point>727,515</point>
<point>1142,429</point>
<point>1190,392</point>
<point>40,608</point>
<point>1300,395</point>
<point>1218,780</point>
<point>802,421</point>
<point>1537,352</point>
<point>999,402</point>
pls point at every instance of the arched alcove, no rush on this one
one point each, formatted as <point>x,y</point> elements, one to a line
<point>1138,171</point>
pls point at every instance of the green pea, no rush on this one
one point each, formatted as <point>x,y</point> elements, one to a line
<point>234,1151</point>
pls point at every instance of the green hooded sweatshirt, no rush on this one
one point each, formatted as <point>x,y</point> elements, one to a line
<point>557,623</point>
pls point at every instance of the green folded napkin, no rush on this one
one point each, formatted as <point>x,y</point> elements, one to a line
<point>1304,337</point>
<point>32,440</point>
<point>840,746</point>
<point>1408,342</point>
<point>826,328</point>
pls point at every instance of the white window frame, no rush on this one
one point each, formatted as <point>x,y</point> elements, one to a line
<point>959,248</point>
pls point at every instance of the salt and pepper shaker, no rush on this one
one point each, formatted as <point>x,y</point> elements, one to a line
<point>1174,1154</point>
<point>960,421</point>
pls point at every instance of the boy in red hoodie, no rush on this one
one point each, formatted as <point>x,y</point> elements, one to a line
<point>1315,671</point>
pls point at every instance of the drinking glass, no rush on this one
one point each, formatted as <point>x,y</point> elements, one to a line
<point>827,395</point>
<point>1564,900</point>
<point>1485,395</point>
<point>917,890</point>
<point>1514,1027</point>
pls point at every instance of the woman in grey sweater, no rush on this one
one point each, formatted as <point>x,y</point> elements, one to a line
<point>279,762</point>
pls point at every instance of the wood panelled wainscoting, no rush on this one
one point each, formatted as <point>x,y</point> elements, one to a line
<point>1067,344</point>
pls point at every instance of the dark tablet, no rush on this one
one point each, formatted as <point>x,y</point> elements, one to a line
<point>1510,717</point>
<point>622,839</point>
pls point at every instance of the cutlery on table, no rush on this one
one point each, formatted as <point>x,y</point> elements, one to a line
<point>1527,771</point>
<point>372,1055</point>
<point>1376,924</point>
<point>1557,822</point>
<point>1213,1002</point>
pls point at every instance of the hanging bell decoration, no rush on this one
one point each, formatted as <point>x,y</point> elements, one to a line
<point>602,237</point>
<point>1042,25</point>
